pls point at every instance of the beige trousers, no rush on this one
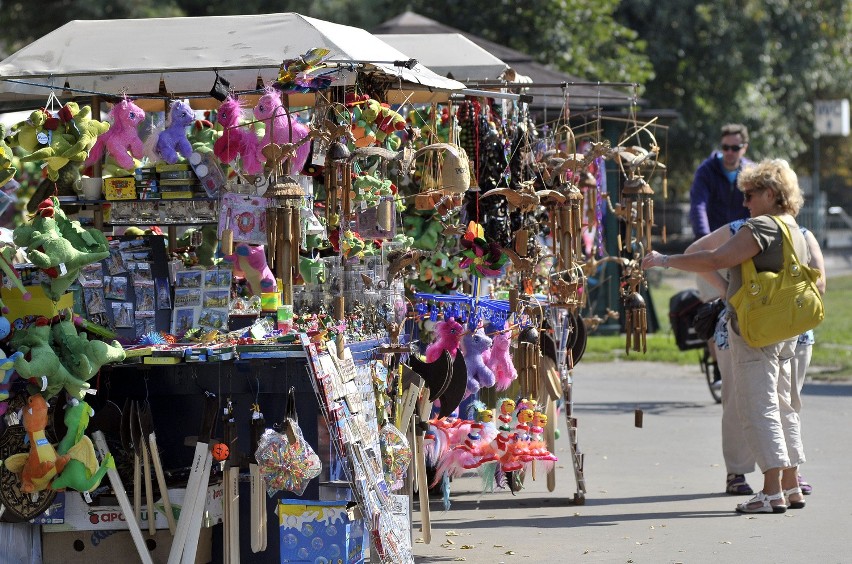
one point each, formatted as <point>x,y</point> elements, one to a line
<point>763,390</point>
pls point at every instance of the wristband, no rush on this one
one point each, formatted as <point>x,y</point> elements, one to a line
<point>665,261</point>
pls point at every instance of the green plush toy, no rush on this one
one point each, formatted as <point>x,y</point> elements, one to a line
<point>82,357</point>
<point>85,130</point>
<point>203,135</point>
<point>371,190</point>
<point>41,365</point>
<point>50,251</point>
<point>426,232</point>
<point>30,134</point>
<point>7,171</point>
<point>81,471</point>
<point>206,252</point>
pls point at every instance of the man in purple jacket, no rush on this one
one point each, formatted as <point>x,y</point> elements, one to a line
<point>714,199</point>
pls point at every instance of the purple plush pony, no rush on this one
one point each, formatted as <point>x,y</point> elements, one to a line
<point>122,137</point>
<point>237,139</point>
<point>281,128</point>
<point>478,375</point>
<point>172,140</point>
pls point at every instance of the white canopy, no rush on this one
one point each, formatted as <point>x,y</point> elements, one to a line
<point>134,56</point>
<point>448,54</point>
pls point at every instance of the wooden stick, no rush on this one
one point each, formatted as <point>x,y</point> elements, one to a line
<point>161,483</point>
<point>123,501</point>
<point>149,489</point>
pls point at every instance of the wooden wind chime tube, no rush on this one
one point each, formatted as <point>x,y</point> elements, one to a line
<point>649,222</point>
<point>577,226</point>
<point>565,250</point>
<point>296,238</point>
<point>285,253</point>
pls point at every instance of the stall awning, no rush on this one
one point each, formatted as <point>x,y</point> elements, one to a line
<point>149,57</point>
<point>449,54</point>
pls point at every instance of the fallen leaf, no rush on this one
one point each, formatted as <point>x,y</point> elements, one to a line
<point>459,559</point>
<point>467,546</point>
<point>727,542</point>
<point>509,552</point>
<point>451,534</point>
<point>450,541</point>
<point>498,546</point>
<point>419,540</point>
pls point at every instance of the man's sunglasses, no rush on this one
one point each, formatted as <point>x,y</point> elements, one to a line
<point>733,147</point>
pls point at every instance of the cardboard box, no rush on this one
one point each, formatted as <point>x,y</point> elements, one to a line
<point>85,547</point>
<point>38,304</point>
<point>312,531</point>
<point>79,516</point>
<point>121,188</point>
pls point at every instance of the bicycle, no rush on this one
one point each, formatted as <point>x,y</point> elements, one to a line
<point>682,309</point>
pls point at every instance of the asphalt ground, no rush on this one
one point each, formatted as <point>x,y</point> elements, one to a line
<point>655,494</point>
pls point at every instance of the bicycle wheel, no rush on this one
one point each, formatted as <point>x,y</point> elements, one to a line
<point>711,373</point>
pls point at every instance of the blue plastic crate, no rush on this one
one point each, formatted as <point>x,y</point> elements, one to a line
<point>315,530</point>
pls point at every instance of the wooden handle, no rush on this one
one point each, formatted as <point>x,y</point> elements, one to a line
<point>161,483</point>
<point>137,487</point>
<point>149,492</point>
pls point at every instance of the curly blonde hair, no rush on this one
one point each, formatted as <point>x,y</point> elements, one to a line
<point>776,175</point>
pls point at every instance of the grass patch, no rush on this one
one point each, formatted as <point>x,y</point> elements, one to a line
<point>832,353</point>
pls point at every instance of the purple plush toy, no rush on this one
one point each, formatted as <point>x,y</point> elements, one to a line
<point>172,140</point>
<point>478,375</point>
<point>250,263</point>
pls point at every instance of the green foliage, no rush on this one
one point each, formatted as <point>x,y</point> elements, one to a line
<point>832,351</point>
<point>760,62</point>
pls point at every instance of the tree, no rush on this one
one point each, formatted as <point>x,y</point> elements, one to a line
<point>759,62</point>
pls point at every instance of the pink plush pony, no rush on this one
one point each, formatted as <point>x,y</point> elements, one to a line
<point>449,334</point>
<point>478,375</point>
<point>236,139</point>
<point>122,137</point>
<point>281,128</point>
<point>500,360</point>
<point>172,140</point>
<point>250,263</point>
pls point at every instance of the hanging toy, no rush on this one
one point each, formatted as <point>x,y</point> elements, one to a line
<point>449,334</point>
<point>281,128</point>
<point>38,467</point>
<point>81,472</point>
<point>122,138</point>
<point>499,360</point>
<point>481,258</point>
<point>237,140</point>
<point>478,374</point>
<point>173,139</point>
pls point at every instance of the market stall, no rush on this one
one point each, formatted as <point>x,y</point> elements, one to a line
<point>275,268</point>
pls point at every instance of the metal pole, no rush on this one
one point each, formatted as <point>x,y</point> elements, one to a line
<point>816,205</point>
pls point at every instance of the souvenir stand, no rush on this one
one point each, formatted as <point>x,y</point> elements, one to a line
<point>408,305</point>
<point>223,369</point>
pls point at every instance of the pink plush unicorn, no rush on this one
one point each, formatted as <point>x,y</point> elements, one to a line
<point>122,137</point>
<point>250,263</point>
<point>449,334</point>
<point>172,140</point>
<point>281,128</point>
<point>478,375</point>
<point>236,139</point>
<point>500,360</point>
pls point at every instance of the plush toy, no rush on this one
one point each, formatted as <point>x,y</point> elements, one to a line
<point>82,357</point>
<point>281,128</point>
<point>371,190</point>
<point>206,252</point>
<point>85,131</point>
<point>81,471</point>
<point>352,245</point>
<point>478,374</point>
<point>500,360</point>
<point>237,140</point>
<point>30,134</point>
<point>425,232</point>
<point>7,171</point>
<point>41,365</point>
<point>173,139</point>
<point>7,365</point>
<point>122,139</point>
<point>250,263</point>
<point>37,467</point>
<point>50,251</point>
<point>449,334</point>
<point>203,136</point>
<point>53,143</point>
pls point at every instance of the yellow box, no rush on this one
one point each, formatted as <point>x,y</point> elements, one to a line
<point>122,188</point>
<point>38,304</point>
<point>166,167</point>
<point>178,195</point>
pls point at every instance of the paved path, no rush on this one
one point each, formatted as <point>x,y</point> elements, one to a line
<point>655,493</point>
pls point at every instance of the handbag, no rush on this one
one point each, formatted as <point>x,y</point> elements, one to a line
<point>775,306</point>
<point>706,318</point>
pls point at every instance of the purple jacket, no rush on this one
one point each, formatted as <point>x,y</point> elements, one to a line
<point>713,200</point>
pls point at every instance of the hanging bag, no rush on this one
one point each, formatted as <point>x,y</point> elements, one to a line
<point>774,306</point>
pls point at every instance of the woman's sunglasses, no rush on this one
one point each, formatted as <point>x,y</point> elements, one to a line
<point>747,194</point>
<point>733,147</point>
